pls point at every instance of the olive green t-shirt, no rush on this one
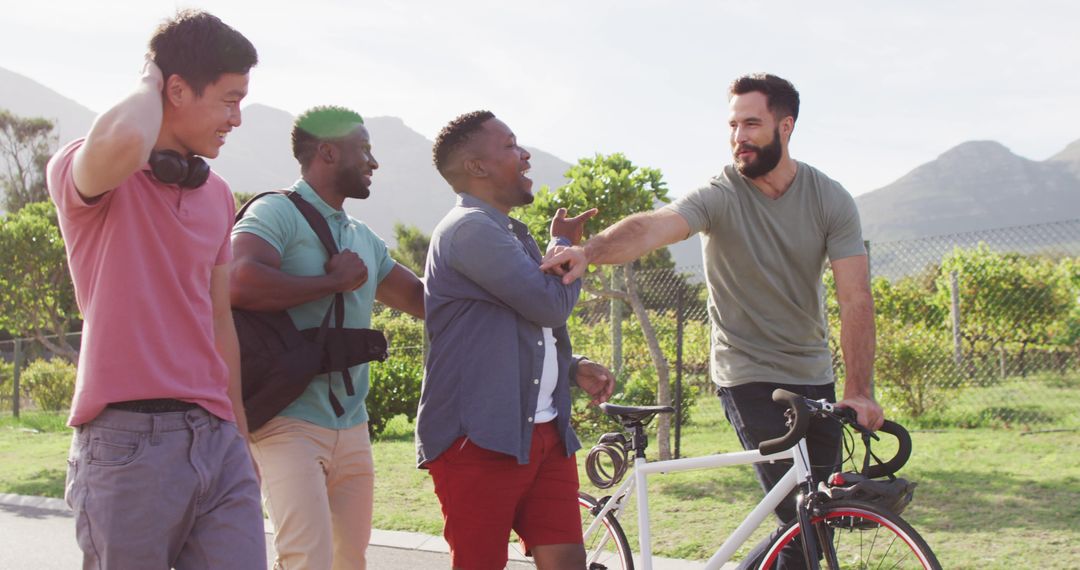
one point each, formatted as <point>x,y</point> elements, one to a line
<point>764,259</point>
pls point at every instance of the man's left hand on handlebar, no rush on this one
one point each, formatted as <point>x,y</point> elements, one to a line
<point>867,410</point>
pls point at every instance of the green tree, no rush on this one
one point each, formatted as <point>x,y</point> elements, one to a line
<point>242,198</point>
<point>25,147</point>
<point>617,188</point>
<point>412,247</point>
<point>36,295</point>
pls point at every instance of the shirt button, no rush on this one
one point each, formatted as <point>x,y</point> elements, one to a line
<point>539,343</point>
<point>530,420</point>
<point>536,380</point>
<point>509,226</point>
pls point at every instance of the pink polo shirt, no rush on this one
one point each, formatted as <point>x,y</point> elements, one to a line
<point>140,258</point>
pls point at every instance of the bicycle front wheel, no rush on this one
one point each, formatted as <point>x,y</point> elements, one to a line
<point>857,535</point>
<point>606,548</point>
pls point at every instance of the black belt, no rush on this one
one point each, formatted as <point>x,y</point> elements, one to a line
<point>157,406</point>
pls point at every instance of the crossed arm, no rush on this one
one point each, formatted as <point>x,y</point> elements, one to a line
<point>259,284</point>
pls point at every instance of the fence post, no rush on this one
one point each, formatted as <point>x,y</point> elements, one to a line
<point>616,321</point>
<point>958,349</point>
<point>679,316</point>
<point>15,378</point>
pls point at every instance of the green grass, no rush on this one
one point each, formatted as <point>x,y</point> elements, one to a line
<point>1039,401</point>
<point>987,498</point>
<point>33,454</point>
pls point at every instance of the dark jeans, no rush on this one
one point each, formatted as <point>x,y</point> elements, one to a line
<point>750,410</point>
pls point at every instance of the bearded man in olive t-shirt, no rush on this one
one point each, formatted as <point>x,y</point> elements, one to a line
<point>769,225</point>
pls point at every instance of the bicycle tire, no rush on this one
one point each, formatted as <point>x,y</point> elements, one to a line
<point>608,549</point>
<point>863,536</point>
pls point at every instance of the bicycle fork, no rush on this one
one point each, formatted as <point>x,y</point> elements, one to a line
<point>803,506</point>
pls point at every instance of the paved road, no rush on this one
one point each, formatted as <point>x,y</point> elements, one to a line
<point>39,534</point>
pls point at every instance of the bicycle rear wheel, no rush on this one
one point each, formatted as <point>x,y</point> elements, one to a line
<point>857,535</point>
<point>607,547</point>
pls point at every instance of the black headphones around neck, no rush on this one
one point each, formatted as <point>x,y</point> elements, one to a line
<point>171,167</point>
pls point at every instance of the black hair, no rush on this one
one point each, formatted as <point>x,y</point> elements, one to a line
<point>199,47</point>
<point>455,134</point>
<point>781,97</point>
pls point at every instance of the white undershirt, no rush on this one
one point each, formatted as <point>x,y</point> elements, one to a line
<point>545,404</point>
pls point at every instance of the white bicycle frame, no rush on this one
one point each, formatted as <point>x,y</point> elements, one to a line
<point>643,468</point>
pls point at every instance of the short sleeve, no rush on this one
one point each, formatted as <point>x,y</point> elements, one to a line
<point>272,218</point>
<point>60,180</point>
<point>695,208</point>
<point>843,233</point>
<point>382,253</point>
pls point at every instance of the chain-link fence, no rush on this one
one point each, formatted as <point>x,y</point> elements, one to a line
<point>976,329</point>
<point>17,391</point>
<point>979,329</point>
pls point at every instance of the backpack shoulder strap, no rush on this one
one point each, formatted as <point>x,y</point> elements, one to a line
<point>243,209</point>
<point>316,221</point>
<point>314,218</point>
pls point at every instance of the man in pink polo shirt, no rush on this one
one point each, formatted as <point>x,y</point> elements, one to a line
<point>159,474</point>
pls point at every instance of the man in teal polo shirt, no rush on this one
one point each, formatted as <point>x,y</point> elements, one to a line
<point>317,468</point>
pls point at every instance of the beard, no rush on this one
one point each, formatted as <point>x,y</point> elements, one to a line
<point>351,182</point>
<point>766,157</point>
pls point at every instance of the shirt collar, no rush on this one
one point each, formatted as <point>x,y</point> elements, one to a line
<point>308,193</point>
<point>469,201</point>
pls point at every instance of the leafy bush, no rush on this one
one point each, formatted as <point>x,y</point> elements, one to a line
<point>631,389</point>
<point>395,389</point>
<point>50,383</point>
<point>7,375</point>
<point>403,332</point>
<point>913,371</point>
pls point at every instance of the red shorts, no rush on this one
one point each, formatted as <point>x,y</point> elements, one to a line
<point>485,494</point>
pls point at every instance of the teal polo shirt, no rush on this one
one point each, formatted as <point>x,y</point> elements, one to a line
<point>275,219</point>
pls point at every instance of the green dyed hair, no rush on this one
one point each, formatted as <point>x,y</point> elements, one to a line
<point>321,124</point>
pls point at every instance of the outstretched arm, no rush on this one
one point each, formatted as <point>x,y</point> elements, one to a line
<point>402,290</point>
<point>121,139</point>
<point>857,338</point>
<point>622,242</point>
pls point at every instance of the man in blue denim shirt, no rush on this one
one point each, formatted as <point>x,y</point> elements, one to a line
<point>494,420</point>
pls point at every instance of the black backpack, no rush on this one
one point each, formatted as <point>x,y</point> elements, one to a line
<point>278,361</point>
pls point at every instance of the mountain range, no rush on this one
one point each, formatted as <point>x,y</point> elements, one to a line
<point>973,186</point>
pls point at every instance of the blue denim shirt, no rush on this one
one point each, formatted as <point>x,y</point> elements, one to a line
<point>486,303</point>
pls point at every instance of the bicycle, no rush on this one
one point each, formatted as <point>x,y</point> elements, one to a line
<point>847,533</point>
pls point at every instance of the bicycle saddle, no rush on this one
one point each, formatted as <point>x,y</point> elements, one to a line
<point>634,414</point>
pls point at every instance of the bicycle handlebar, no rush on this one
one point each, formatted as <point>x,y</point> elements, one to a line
<point>902,454</point>
<point>800,408</point>
<point>797,404</point>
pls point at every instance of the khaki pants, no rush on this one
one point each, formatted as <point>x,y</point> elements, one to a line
<point>317,486</point>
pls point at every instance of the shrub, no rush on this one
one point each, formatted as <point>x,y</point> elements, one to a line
<point>7,374</point>
<point>50,383</point>
<point>913,370</point>
<point>395,389</point>
<point>637,388</point>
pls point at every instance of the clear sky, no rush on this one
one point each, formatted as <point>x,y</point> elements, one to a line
<point>886,85</point>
